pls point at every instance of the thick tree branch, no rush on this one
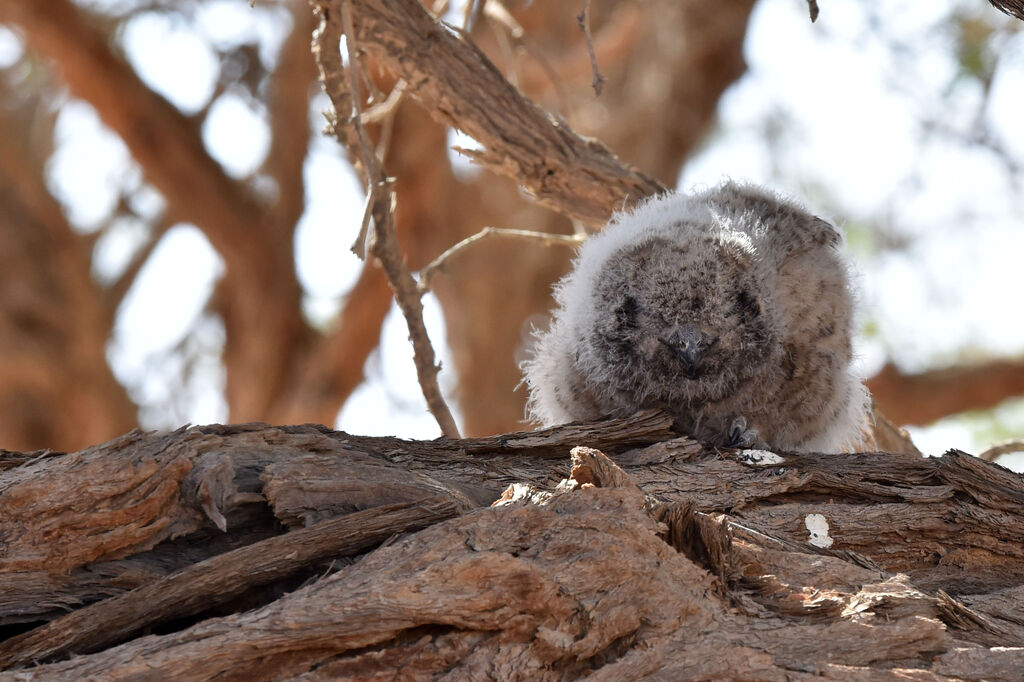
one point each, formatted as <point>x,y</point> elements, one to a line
<point>1015,8</point>
<point>460,87</point>
<point>217,580</point>
<point>263,332</point>
<point>785,566</point>
<point>54,318</point>
<point>922,398</point>
<point>334,368</point>
<point>288,107</point>
<point>161,139</point>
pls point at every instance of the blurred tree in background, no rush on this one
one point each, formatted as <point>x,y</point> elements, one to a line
<point>212,111</point>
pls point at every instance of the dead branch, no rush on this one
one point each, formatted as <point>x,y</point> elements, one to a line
<point>460,87</point>
<point>1000,449</point>
<point>671,559</point>
<point>382,242</point>
<point>583,20</point>
<point>216,581</point>
<point>384,245</point>
<point>545,238</point>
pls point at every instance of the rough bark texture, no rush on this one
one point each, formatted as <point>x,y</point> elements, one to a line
<point>214,552</point>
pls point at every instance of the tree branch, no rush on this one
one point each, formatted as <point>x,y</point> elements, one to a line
<point>546,238</point>
<point>333,369</point>
<point>216,581</point>
<point>631,554</point>
<point>263,332</point>
<point>583,20</point>
<point>925,397</point>
<point>288,109</point>
<point>1015,8</point>
<point>56,389</point>
<point>382,242</point>
<point>161,139</point>
<point>462,88</point>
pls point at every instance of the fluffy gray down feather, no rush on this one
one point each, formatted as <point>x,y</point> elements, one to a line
<point>731,309</point>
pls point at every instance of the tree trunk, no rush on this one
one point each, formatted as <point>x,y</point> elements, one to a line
<point>275,552</point>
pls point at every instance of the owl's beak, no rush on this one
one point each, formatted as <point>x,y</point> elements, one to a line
<point>688,343</point>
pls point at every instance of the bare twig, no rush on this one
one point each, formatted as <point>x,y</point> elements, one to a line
<point>584,22</point>
<point>546,238</point>
<point>513,35</point>
<point>812,7</point>
<point>386,118</point>
<point>1000,449</point>
<point>383,110</point>
<point>384,244</point>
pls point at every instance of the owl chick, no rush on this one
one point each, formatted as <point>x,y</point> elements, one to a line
<point>730,309</point>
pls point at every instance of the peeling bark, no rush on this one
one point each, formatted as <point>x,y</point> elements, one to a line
<point>664,558</point>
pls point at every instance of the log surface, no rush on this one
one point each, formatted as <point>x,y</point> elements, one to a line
<point>261,552</point>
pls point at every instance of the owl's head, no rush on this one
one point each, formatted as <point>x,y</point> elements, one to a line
<point>687,320</point>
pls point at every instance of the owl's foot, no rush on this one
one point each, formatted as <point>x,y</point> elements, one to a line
<point>740,436</point>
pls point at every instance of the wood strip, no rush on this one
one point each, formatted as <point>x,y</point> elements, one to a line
<point>215,581</point>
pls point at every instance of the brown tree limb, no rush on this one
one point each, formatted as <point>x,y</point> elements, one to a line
<point>117,290</point>
<point>161,139</point>
<point>216,581</point>
<point>927,396</point>
<point>168,147</point>
<point>116,507</point>
<point>54,318</point>
<point>671,560</point>
<point>333,369</point>
<point>460,87</point>
<point>384,245</point>
<point>288,107</point>
<point>1014,8</point>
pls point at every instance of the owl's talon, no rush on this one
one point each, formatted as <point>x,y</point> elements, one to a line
<point>739,435</point>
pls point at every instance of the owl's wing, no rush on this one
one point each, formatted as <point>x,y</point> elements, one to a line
<point>810,285</point>
<point>558,392</point>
